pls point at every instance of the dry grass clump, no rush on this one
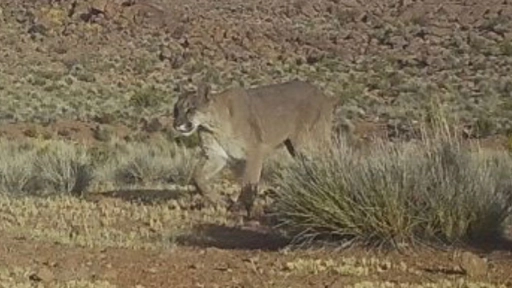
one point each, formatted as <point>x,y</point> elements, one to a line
<point>63,168</point>
<point>41,167</point>
<point>347,266</point>
<point>434,190</point>
<point>60,167</point>
<point>15,166</point>
<point>155,163</point>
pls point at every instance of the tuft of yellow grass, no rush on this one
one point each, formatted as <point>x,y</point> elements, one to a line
<point>106,223</point>
<point>19,277</point>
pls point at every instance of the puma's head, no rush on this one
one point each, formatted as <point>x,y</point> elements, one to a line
<point>189,110</point>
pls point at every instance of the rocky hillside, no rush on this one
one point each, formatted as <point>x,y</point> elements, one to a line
<point>392,62</point>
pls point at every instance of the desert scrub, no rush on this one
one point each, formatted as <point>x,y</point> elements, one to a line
<point>147,97</point>
<point>61,167</point>
<point>434,190</point>
<point>41,167</point>
<point>162,162</point>
<point>16,164</point>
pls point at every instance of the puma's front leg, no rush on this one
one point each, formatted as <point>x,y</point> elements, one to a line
<point>204,174</point>
<point>213,160</point>
<point>250,181</point>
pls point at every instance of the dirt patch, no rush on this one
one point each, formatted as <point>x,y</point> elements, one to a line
<point>111,242</point>
<point>214,267</point>
<point>81,131</point>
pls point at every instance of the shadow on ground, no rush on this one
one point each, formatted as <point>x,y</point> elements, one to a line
<point>145,196</point>
<point>498,243</point>
<point>233,238</point>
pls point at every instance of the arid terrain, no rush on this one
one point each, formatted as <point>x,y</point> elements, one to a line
<point>91,83</point>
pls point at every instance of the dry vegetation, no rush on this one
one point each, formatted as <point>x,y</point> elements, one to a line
<point>438,190</point>
<point>94,188</point>
<point>116,63</point>
<point>435,190</point>
<point>57,166</point>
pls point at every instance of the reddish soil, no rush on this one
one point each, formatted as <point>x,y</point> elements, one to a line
<point>229,265</point>
<point>85,132</point>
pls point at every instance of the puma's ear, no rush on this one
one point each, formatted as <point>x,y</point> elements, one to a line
<point>203,91</point>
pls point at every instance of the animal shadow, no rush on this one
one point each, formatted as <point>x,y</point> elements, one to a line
<point>144,196</point>
<point>233,238</point>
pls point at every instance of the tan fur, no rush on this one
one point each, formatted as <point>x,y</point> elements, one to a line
<point>239,124</point>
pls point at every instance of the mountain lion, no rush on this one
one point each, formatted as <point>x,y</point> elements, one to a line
<point>248,124</point>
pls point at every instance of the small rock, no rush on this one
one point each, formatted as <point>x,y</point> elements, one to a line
<point>44,275</point>
<point>105,118</point>
<point>218,35</point>
<point>152,270</point>
<point>110,274</point>
<point>440,31</point>
<point>153,126</point>
<point>64,132</point>
<point>178,32</point>
<point>41,49</point>
<point>38,29</point>
<point>21,18</point>
<point>493,36</point>
<point>165,53</point>
<point>99,5</point>
<point>398,42</point>
<point>472,264</point>
<point>101,134</point>
<point>313,56</point>
<point>177,62</point>
<point>253,224</point>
